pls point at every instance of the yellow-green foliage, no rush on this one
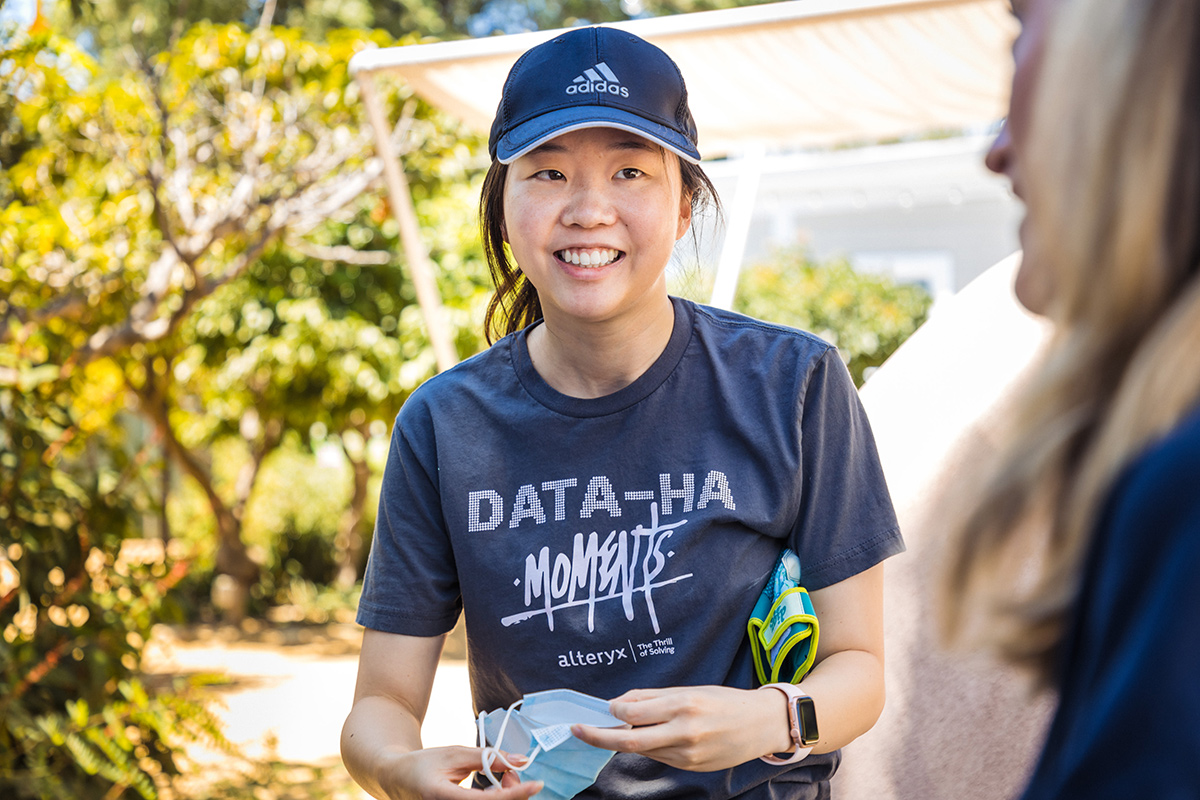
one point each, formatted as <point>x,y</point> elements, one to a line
<point>256,334</point>
<point>277,345</point>
<point>865,316</point>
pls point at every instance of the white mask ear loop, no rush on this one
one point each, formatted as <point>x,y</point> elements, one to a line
<point>491,753</point>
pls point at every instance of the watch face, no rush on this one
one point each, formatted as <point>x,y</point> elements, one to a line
<point>806,712</point>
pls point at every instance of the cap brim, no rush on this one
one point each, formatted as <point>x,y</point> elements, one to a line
<point>539,130</point>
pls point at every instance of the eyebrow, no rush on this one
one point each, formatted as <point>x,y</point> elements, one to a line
<point>636,143</point>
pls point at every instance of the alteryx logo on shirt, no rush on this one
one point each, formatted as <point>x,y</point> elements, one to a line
<point>615,572</point>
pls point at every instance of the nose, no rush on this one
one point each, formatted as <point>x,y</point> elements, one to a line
<point>590,205</point>
<point>999,155</point>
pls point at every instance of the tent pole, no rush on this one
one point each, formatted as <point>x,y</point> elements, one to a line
<point>740,212</point>
<point>419,264</point>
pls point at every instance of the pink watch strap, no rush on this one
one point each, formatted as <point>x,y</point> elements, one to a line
<point>791,692</point>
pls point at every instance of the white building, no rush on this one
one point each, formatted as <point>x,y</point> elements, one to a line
<point>925,211</point>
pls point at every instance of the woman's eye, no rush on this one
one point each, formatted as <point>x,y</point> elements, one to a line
<point>550,175</point>
<point>629,173</point>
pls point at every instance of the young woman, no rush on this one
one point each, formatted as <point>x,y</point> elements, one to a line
<point>605,491</point>
<point>1103,143</point>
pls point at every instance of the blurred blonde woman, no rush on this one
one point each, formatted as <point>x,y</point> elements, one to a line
<point>1103,144</point>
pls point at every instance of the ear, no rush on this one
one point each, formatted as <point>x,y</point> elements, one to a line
<point>685,215</point>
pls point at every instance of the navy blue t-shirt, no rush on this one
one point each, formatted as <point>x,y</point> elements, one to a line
<point>621,542</point>
<point>1128,722</point>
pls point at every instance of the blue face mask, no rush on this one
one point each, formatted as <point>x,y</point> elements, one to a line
<point>541,731</point>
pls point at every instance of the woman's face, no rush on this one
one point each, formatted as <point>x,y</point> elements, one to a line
<point>591,218</point>
<point>1007,155</point>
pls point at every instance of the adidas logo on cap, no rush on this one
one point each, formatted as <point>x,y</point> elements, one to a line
<point>600,80</point>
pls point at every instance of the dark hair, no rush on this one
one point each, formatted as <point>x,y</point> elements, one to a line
<point>515,303</point>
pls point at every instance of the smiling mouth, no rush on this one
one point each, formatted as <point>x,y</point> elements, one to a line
<point>593,257</point>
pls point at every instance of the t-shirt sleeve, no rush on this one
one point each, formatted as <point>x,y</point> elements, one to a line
<point>1129,725</point>
<point>411,583</point>
<point>846,523</point>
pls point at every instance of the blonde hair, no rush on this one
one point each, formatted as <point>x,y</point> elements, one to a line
<point>1112,176</point>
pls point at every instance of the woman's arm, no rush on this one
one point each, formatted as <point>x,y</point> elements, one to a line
<point>706,728</point>
<point>847,682</point>
<point>381,740</point>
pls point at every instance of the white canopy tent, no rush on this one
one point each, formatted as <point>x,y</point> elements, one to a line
<point>799,74</point>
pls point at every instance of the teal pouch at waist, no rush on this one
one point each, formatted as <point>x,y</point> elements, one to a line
<point>783,628</point>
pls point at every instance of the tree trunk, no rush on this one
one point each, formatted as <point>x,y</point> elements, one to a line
<point>348,546</point>
<point>237,572</point>
<point>164,486</point>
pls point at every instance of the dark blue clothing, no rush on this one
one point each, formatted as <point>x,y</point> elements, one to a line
<point>1128,725</point>
<point>621,542</point>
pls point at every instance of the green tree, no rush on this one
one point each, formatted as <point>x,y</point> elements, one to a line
<point>157,213</point>
<point>865,316</point>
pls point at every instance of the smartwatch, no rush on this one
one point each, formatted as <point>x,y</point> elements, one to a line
<point>802,722</point>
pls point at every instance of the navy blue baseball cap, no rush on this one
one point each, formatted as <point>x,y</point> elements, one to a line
<point>593,78</point>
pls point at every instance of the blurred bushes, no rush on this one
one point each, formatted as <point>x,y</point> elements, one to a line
<point>78,598</point>
<point>865,316</point>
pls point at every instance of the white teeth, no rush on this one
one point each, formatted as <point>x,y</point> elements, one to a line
<point>589,258</point>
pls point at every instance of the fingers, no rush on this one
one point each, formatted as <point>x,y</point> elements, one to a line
<point>511,777</point>
<point>633,695</point>
<point>471,759</point>
<point>504,761</point>
<point>651,706</point>
<point>441,771</point>
<point>653,713</point>
<point>624,740</point>
<point>599,737</point>
<point>453,763</point>
<point>511,784</point>
<point>517,791</point>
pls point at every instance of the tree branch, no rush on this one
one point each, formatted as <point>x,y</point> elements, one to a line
<point>40,670</point>
<point>259,204</point>
<point>159,415</point>
<point>264,445</point>
<point>114,339</point>
<point>342,253</point>
<point>268,12</point>
<point>65,305</point>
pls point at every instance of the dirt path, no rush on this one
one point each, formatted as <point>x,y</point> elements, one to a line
<point>289,690</point>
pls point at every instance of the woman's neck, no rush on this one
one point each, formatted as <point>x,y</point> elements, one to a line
<point>589,360</point>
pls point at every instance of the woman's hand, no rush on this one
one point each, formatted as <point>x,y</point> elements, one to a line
<point>704,728</point>
<point>381,740</point>
<point>435,774</point>
<point>698,728</point>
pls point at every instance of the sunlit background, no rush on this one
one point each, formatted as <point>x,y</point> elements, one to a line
<point>208,322</point>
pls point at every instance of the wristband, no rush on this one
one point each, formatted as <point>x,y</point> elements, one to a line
<point>802,722</point>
